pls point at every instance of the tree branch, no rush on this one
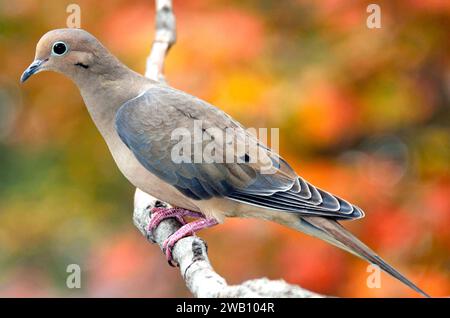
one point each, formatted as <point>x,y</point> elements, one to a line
<point>191,252</point>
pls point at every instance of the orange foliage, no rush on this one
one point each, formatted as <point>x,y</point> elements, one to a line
<point>326,114</point>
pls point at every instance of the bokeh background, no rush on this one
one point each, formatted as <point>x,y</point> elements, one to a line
<point>363,113</point>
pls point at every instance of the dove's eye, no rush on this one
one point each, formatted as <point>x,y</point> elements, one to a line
<point>59,48</point>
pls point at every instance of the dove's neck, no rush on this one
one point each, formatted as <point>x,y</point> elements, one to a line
<point>105,92</point>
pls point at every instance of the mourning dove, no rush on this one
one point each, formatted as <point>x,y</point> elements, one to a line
<point>139,118</point>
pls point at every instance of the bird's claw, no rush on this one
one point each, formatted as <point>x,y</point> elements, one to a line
<point>158,214</point>
<point>188,229</point>
<point>170,242</point>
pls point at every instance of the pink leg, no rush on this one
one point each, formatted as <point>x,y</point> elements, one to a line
<point>186,230</point>
<point>160,214</point>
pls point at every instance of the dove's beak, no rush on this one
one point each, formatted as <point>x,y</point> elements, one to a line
<point>32,69</point>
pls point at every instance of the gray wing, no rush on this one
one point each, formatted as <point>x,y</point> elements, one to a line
<point>163,123</point>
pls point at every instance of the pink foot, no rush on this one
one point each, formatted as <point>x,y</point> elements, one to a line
<point>186,230</point>
<point>160,214</point>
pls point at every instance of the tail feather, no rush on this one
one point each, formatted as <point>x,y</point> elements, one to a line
<point>331,231</point>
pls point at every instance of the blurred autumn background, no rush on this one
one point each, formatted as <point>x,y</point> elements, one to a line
<point>362,112</point>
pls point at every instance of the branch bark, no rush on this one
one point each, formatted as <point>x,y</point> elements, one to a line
<point>191,252</point>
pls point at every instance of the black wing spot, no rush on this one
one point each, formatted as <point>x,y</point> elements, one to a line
<point>246,158</point>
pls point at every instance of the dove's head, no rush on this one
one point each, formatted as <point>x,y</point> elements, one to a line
<point>72,52</point>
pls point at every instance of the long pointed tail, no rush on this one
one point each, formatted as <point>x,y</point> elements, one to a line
<point>334,233</point>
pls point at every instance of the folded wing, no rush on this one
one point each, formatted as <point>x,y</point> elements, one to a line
<point>233,163</point>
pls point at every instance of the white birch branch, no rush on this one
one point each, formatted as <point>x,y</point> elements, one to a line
<point>191,252</point>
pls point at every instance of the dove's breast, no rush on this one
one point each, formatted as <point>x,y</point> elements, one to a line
<point>103,117</point>
<point>143,179</point>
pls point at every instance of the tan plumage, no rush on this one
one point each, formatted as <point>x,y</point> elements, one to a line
<point>136,116</point>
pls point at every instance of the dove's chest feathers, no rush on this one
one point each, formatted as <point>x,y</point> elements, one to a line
<point>103,108</point>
